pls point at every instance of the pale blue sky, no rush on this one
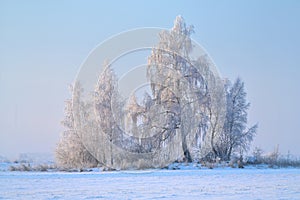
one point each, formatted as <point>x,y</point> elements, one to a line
<point>43,43</point>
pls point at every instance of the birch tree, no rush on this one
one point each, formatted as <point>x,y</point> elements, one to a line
<point>106,118</point>
<point>176,82</point>
<point>235,135</point>
<point>70,151</point>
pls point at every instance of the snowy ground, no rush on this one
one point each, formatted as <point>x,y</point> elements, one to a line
<point>217,183</point>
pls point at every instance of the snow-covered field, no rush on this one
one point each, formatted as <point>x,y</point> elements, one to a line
<point>217,183</point>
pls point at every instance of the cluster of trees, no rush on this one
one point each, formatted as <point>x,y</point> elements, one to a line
<point>189,113</point>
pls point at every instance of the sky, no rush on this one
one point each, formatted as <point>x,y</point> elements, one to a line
<point>43,44</point>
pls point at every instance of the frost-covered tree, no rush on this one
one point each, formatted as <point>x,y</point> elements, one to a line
<point>177,83</point>
<point>108,114</point>
<point>163,65</point>
<point>70,151</point>
<point>235,135</point>
<point>215,120</point>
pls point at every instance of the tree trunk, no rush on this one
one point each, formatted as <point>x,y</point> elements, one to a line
<point>186,152</point>
<point>229,152</point>
<point>212,142</point>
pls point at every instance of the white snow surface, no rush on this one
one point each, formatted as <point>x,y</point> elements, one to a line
<point>186,183</point>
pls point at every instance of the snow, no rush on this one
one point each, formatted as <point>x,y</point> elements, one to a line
<point>188,183</point>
